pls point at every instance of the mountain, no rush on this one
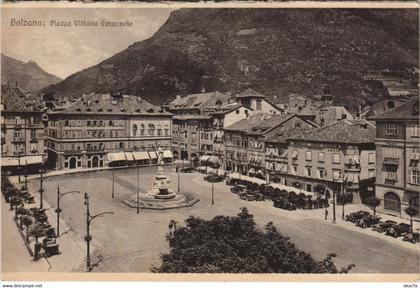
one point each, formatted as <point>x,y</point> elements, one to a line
<point>274,51</point>
<point>29,76</point>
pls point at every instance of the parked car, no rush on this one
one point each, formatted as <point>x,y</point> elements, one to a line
<point>356,216</point>
<point>238,189</point>
<point>412,237</point>
<point>214,178</point>
<point>187,170</point>
<point>284,204</point>
<point>383,226</point>
<point>398,230</point>
<point>247,197</point>
<point>368,221</point>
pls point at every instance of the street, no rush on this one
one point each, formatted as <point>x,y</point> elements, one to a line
<point>127,242</point>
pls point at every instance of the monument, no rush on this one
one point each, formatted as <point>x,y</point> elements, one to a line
<point>161,195</point>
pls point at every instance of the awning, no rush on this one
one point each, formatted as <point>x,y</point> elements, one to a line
<point>167,154</point>
<point>260,172</point>
<point>152,155</point>
<point>116,157</point>
<point>129,156</point>
<point>204,158</point>
<point>31,160</point>
<point>141,155</point>
<point>9,161</point>
<point>214,160</point>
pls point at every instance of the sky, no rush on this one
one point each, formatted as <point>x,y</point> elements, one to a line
<point>63,51</point>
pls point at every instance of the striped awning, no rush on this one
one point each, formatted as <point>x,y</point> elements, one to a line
<point>167,154</point>
<point>116,157</point>
<point>32,160</point>
<point>10,161</point>
<point>141,155</point>
<point>152,155</point>
<point>204,158</point>
<point>129,156</point>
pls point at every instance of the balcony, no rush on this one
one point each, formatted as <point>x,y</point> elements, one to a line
<point>34,140</point>
<point>391,161</point>
<point>391,176</point>
<point>18,139</point>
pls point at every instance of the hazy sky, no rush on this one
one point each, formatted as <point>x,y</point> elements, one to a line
<point>63,51</point>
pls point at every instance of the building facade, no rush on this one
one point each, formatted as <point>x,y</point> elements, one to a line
<point>397,158</point>
<point>337,158</point>
<point>98,129</point>
<point>22,132</point>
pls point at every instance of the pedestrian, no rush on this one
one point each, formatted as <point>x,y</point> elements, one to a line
<point>326,213</point>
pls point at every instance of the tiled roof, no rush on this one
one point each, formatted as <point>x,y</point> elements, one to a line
<point>282,136</point>
<point>273,121</point>
<point>191,117</point>
<point>199,101</point>
<point>228,108</point>
<point>344,131</point>
<point>250,93</point>
<point>246,125</point>
<point>105,103</point>
<point>408,110</point>
<point>14,99</point>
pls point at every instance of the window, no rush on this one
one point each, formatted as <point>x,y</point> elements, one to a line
<point>33,133</point>
<point>414,130</point>
<point>237,111</point>
<point>297,125</point>
<point>308,155</point>
<point>259,104</point>
<point>134,129</point>
<point>415,177</point>
<point>121,145</point>
<point>336,158</point>
<point>111,123</point>
<point>66,123</point>
<point>294,171</point>
<point>308,171</point>
<point>391,129</point>
<point>309,187</point>
<point>321,173</point>
<point>371,158</point>
<point>295,155</point>
<point>392,152</point>
<point>159,132</point>
<point>88,123</point>
<point>392,202</point>
<point>166,132</point>
<point>337,175</point>
<point>371,173</point>
<point>321,157</point>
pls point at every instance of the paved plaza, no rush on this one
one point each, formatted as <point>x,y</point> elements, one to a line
<point>130,242</point>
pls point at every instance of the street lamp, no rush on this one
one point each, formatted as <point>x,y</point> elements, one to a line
<point>113,178</point>
<point>138,192</point>
<point>58,210</point>
<point>88,238</point>
<point>19,165</point>
<point>212,193</point>
<point>26,178</point>
<point>41,187</point>
<point>177,167</point>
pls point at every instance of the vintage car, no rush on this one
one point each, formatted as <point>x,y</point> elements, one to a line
<point>284,204</point>
<point>238,189</point>
<point>368,221</point>
<point>412,237</point>
<point>187,170</point>
<point>356,216</point>
<point>214,178</point>
<point>246,196</point>
<point>383,226</point>
<point>398,230</point>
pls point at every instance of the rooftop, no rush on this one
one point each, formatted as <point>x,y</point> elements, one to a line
<point>246,125</point>
<point>14,99</point>
<point>407,111</point>
<point>111,104</point>
<point>200,101</point>
<point>250,93</point>
<point>343,131</point>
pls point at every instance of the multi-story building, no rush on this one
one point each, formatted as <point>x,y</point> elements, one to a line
<point>245,140</point>
<point>397,158</point>
<point>339,157</point>
<point>22,132</point>
<point>103,129</point>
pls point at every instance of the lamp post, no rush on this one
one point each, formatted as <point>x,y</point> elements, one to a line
<point>212,193</point>
<point>41,188</point>
<point>58,210</point>
<point>88,237</point>
<point>138,195</point>
<point>113,183</point>
<point>178,178</point>
<point>26,178</point>
<point>19,165</point>
<point>333,188</point>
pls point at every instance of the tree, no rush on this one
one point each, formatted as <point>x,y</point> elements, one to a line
<point>234,245</point>
<point>411,211</point>
<point>343,199</point>
<point>374,202</point>
<point>27,222</point>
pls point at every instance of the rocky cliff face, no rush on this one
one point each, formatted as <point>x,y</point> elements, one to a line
<point>29,76</point>
<point>274,51</point>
